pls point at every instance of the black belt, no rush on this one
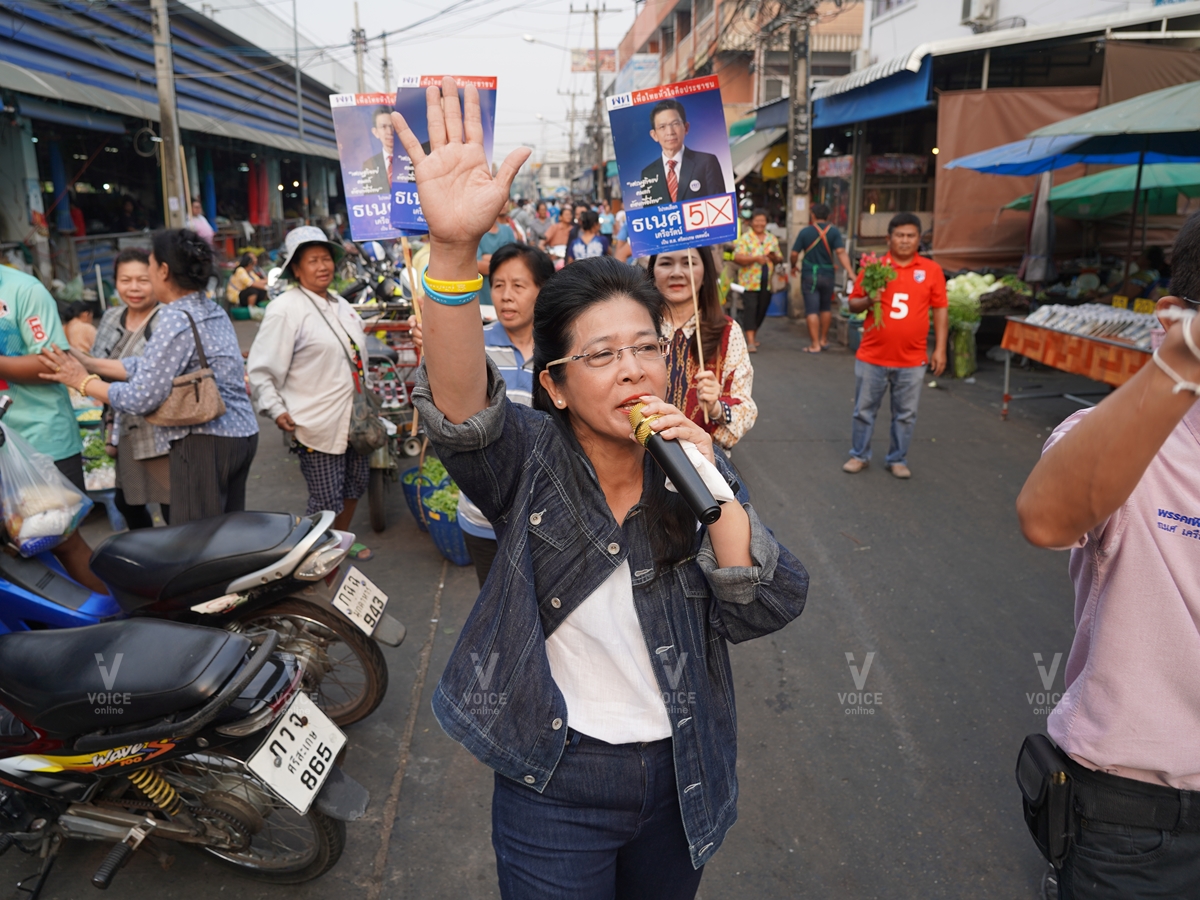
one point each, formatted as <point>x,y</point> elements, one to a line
<point>1124,801</point>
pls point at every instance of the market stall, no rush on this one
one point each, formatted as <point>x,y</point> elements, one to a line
<point>1098,342</point>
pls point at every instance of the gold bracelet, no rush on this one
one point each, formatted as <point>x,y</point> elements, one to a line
<point>83,385</point>
<point>455,287</point>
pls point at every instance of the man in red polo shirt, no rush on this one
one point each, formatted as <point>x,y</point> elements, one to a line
<point>894,355</point>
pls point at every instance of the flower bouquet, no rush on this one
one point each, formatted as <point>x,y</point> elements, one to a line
<point>876,273</point>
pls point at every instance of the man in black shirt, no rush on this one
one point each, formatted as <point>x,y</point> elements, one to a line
<point>819,243</point>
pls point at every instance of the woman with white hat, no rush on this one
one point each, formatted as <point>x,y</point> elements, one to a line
<point>305,365</point>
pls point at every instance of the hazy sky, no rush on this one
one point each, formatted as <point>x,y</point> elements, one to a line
<point>480,37</point>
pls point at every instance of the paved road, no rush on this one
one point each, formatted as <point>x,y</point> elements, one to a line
<point>906,792</point>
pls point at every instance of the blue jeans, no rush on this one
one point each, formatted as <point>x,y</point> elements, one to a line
<point>870,384</point>
<point>607,827</point>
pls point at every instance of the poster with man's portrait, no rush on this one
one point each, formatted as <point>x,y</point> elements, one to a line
<point>410,103</point>
<point>674,166</point>
<point>362,123</point>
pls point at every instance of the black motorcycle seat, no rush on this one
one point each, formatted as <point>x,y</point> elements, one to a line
<point>75,680</point>
<point>195,561</point>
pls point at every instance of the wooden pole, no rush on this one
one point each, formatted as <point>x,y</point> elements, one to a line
<point>412,284</point>
<point>696,311</point>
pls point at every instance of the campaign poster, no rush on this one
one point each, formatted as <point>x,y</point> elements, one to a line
<point>674,165</point>
<point>365,138</point>
<point>410,103</point>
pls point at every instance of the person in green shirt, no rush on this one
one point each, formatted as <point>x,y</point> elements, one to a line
<point>41,412</point>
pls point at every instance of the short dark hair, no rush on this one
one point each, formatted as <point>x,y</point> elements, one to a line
<point>663,106</point>
<point>820,211</point>
<point>588,220</point>
<point>759,211</point>
<point>247,260</point>
<point>539,263</point>
<point>380,111</point>
<point>130,254</point>
<point>188,257</point>
<point>539,204</point>
<point>905,218</point>
<point>1185,261</point>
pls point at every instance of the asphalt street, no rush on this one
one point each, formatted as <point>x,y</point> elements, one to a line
<point>878,732</point>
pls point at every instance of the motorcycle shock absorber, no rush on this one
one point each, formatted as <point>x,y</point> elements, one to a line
<point>154,786</point>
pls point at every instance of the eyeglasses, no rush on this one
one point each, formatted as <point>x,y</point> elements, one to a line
<point>647,352</point>
<point>670,126</point>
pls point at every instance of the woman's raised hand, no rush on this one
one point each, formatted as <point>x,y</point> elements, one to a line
<point>459,196</point>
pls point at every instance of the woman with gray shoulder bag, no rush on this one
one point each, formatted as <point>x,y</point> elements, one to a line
<point>189,382</point>
<point>307,372</point>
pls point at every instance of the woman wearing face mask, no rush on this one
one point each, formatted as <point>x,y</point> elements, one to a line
<point>210,462</point>
<point>615,754</point>
<point>722,388</point>
<point>143,472</point>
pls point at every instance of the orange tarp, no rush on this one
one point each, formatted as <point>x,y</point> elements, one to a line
<point>1098,360</point>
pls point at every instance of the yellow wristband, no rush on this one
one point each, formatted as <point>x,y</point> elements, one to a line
<point>455,287</point>
<point>83,385</point>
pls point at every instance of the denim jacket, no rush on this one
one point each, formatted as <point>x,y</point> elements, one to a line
<point>558,542</point>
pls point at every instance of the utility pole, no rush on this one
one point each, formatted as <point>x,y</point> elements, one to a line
<point>175,213</point>
<point>300,115</point>
<point>571,132</point>
<point>360,45</point>
<point>800,137</point>
<point>598,112</point>
<point>387,68</point>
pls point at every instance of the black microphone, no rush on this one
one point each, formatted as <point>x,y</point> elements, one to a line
<point>672,459</point>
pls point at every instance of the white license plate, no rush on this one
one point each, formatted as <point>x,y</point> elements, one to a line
<point>360,601</point>
<point>298,754</point>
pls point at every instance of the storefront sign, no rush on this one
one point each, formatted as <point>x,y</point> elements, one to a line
<point>835,167</point>
<point>896,164</point>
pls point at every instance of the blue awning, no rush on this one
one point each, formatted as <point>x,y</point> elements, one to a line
<point>69,115</point>
<point>1032,156</point>
<point>902,92</point>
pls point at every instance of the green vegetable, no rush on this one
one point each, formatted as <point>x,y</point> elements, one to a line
<point>444,501</point>
<point>432,469</point>
<point>94,455</point>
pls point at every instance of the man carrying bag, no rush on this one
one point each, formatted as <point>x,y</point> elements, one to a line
<point>1114,801</point>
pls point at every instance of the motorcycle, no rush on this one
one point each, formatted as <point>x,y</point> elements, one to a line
<point>143,731</point>
<point>245,572</point>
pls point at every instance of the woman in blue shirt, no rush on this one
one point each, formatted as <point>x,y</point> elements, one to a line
<point>210,462</point>
<point>593,673</point>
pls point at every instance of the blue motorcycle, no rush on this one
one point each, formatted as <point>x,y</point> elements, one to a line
<point>246,572</point>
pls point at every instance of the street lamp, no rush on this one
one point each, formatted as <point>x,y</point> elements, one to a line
<point>530,39</point>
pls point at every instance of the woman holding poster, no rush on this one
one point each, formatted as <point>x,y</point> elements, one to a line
<point>721,389</point>
<point>592,674</point>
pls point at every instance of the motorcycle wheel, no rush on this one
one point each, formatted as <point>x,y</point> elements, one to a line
<point>355,672</point>
<point>376,499</point>
<point>284,846</point>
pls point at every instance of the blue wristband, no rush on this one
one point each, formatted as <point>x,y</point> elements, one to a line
<point>446,299</point>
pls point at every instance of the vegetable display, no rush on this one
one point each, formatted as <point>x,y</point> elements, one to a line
<point>876,274</point>
<point>444,501</point>
<point>432,469</point>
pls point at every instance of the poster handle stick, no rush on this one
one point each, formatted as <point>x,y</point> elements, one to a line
<point>412,284</point>
<point>696,311</point>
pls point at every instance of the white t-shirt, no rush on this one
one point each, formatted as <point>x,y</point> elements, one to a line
<point>600,662</point>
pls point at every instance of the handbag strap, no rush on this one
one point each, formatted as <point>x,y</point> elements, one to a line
<point>199,343</point>
<point>354,370</point>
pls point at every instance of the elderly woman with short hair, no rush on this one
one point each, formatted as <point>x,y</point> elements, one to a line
<point>305,365</point>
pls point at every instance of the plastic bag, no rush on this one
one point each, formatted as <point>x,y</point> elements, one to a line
<point>41,507</point>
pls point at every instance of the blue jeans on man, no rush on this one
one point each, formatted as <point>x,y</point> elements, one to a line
<point>871,382</point>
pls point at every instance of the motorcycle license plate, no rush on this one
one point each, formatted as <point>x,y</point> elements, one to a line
<point>297,756</point>
<point>360,601</point>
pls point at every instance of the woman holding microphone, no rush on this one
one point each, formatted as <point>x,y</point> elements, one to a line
<point>606,709</point>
